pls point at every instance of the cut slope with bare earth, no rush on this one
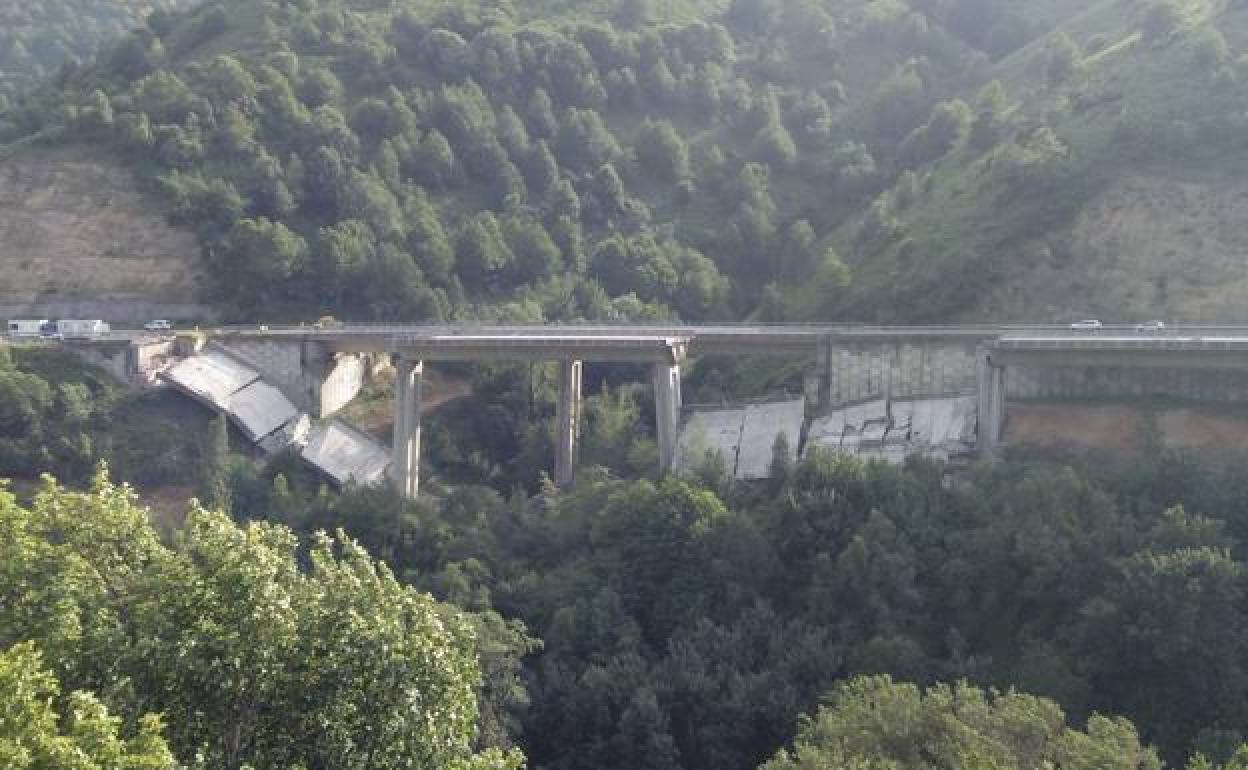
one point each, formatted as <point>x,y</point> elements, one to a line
<point>79,238</point>
<point>1147,247</point>
<point>1123,433</point>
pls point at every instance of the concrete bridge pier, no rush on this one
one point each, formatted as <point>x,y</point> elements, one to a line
<point>991,403</point>
<point>405,461</point>
<point>823,374</point>
<point>567,421</point>
<point>667,411</point>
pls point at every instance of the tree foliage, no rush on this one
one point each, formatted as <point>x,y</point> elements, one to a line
<point>251,658</point>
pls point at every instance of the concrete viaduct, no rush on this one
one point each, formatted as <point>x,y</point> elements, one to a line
<point>322,366</point>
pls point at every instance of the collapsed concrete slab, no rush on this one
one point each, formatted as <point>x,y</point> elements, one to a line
<point>211,377</point>
<point>260,409</point>
<point>761,425</point>
<point>940,427</point>
<point>293,433</point>
<point>709,430</point>
<point>345,454</point>
<point>743,436</point>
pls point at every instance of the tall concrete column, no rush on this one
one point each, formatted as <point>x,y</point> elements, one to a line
<point>567,421</point>
<point>405,457</point>
<point>823,372</point>
<point>667,411</point>
<point>991,403</point>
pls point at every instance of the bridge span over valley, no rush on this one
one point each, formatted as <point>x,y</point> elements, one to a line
<point>320,367</point>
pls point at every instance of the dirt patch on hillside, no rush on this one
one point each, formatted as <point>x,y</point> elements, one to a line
<point>1147,247</point>
<point>1125,431</point>
<point>373,410</point>
<point>78,237</point>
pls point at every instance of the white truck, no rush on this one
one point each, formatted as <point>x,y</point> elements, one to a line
<point>81,329</point>
<point>27,327</point>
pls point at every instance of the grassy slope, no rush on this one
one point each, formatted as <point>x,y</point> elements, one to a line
<point>970,225</point>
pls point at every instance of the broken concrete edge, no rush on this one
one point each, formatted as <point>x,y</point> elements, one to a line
<point>890,429</point>
<point>368,469</point>
<point>294,429</point>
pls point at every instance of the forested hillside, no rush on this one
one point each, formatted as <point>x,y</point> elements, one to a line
<point>687,623</point>
<point>37,39</point>
<point>631,159</point>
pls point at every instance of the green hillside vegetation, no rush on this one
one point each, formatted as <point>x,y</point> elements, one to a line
<point>1145,87</point>
<point>59,416</point>
<point>38,39</point>
<point>688,623</point>
<point>626,159</point>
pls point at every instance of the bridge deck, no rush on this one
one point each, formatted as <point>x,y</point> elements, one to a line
<point>547,346</point>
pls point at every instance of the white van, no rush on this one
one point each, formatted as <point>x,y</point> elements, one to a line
<point>26,327</point>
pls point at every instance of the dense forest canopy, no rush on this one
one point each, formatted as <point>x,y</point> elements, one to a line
<point>1087,622</point>
<point>775,158</point>
<point>38,39</point>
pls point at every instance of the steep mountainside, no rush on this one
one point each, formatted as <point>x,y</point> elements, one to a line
<point>37,38</point>
<point>1114,192</point>
<point>774,158</point>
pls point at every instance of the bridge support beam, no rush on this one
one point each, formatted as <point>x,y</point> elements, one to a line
<point>991,404</point>
<point>667,412</point>
<point>405,457</point>
<point>567,421</point>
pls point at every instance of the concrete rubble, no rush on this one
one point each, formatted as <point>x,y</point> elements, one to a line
<point>223,382</point>
<point>942,427</point>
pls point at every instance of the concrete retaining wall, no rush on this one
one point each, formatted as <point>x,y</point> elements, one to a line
<point>899,369</point>
<point>1122,383</point>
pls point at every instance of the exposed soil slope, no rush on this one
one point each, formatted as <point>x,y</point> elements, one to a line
<point>78,238</point>
<point>1147,247</point>
<point>1121,433</point>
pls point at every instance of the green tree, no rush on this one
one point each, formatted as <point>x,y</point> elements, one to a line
<point>433,163</point>
<point>540,114</point>
<point>535,252</point>
<point>261,255</point>
<point>482,254</point>
<point>872,723</point>
<point>34,737</point>
<point>253,659</point>
<point>661,150</point>
<point>214,462</point>
<point>427,240</point>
